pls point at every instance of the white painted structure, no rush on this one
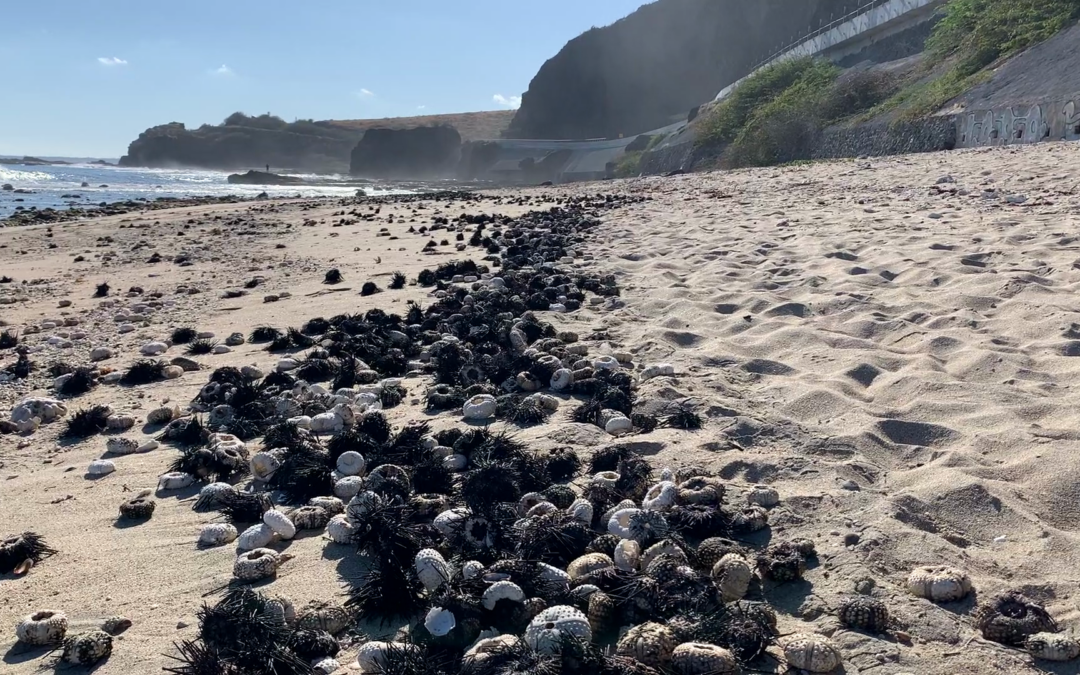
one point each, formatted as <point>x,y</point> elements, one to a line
<point>874,20</point>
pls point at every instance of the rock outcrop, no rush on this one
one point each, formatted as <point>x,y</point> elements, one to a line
<point>263,178</point>
<point>243,142</point>
<point>424,152</point>
<point>657,63</point>
<point>308,146</point>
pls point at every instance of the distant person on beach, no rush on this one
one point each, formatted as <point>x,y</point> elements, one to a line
<point>267,168</point>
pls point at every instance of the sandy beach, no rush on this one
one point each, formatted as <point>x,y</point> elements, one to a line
<point>890,343</point>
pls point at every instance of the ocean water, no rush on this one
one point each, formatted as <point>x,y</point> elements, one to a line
<point>49,185</point>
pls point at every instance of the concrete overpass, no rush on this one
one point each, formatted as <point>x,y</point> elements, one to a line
<point>872,21</point>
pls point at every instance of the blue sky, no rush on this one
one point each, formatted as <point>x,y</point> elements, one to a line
<point>85,78</point>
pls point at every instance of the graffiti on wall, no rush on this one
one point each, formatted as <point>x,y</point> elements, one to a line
<point>1015,125</point>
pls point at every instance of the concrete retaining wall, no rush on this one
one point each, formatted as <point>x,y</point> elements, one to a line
<point>1020,124</point>
<point>854,33</point>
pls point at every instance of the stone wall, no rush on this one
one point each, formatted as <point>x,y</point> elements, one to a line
<point>898,138</point>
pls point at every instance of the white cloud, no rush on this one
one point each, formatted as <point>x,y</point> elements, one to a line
<point>111,61</point>
<point>224,71</point>
<point>421,107</point>
<point>365,93</point>
<point>511,102</point>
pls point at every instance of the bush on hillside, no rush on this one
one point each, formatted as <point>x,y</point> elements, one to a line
<point>978,32</point>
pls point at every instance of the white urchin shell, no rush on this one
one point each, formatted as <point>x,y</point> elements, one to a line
<point>700,658</point>
<point>628,555</point>
<point>217,534</point>
<point>46,627</point>
<point>651,643</point>
<point>619,525</point>
<point>331,505</point>
<point>939,583</point>
<point>658,549</point>
<point>448,521</point>
<point>362,504</point>
<point>456,463</point>
<point>810,652</point>
<point>264,465</point>
<point>119,422</point>
<point>259,563</point>
<point>731,575</point>
<point>582,511</point>
<point>351,463</point>
<point>213,493</point>
<point>256,536</point>
<point>480,407</point>
<point>100,467</point>
<point>431,568</point>
<point>590,562</point>
<point>283,608</point>
<point>439,622</point>
<point>606,478</point>
<point>763,495</point>
<point>161,416</point>
<point>561,379</point>
<point>546,631</point>
<point>618,424</point>
<point>528,501</point>
<point>472,569</point>
<point>280,524</point>
<point>309,518</point>
<point>540,509</point>
<point>175,480</point>
<point>88,648</point>
<point>371,656</point>
<point>1052,646</point>
<point>501,590</point>
<point>340,529</point>
<point>121,446</point>
<point>486,646</point>
<point>326,666</point>
<point>660,497</point>
<point>348,487</point>
<point>552,573</point>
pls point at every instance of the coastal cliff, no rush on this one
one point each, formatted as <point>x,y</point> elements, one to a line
<point>243,142</point>
<point>657,63</point>
<point>304,146</point>
<point>424,152</point>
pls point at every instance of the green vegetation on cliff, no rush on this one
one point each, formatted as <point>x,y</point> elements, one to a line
<point>972,35</point>
<point>774,116</point>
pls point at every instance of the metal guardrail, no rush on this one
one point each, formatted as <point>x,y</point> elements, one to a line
<point>861,9</point>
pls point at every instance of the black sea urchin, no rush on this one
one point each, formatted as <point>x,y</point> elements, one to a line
<point>183,336</point>
<point>397,282</point>
<point>264,334</point>
<point>9,338</point>
<point>87,422</point>
<point>144,371</point>
<point>369,288</point>
<point>20,548</point>
<point>82,380</point>
<point>333,276</point>
<point>200,347</point>
<point>1010,617</point>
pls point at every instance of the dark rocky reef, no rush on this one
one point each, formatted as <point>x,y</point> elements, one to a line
<point>263,178</point>
<point>242,142</point>
<point>423,152</point>
<point>656,64</point>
